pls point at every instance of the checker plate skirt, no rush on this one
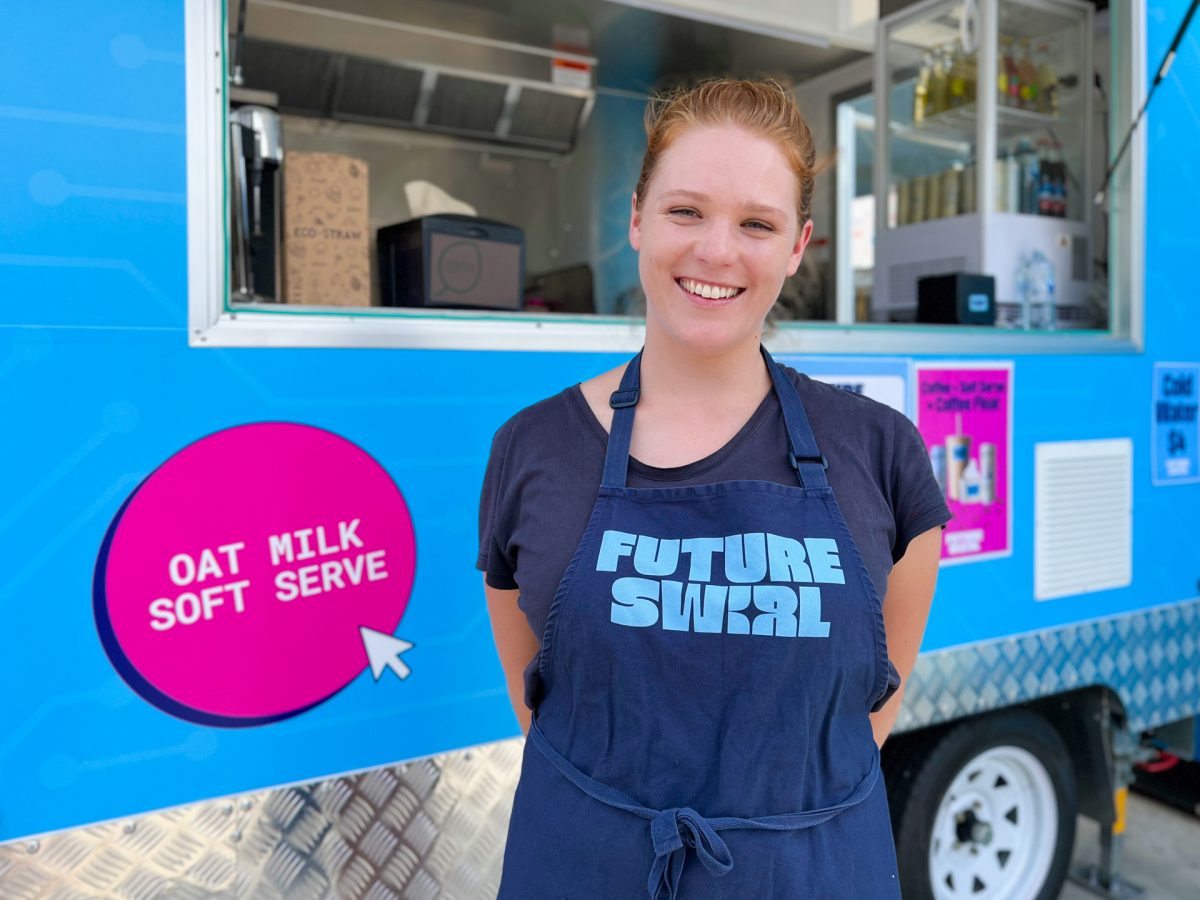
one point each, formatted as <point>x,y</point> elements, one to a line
<point>434,829</point>
<point>429,829</point>
<point>1150,658</point>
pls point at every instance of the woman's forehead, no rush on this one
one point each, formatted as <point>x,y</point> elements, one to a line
<point>721,164</point>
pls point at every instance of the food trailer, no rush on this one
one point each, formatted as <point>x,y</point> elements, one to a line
<point>274,273</point>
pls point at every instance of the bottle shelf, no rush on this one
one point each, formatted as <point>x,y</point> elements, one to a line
<point>958,124</point>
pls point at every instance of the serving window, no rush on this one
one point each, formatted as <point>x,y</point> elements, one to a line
<point>460,177</point>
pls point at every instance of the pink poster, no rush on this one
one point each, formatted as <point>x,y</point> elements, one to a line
<point>964,413</point>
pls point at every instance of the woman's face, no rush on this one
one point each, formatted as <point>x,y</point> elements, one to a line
<point>716,235</point>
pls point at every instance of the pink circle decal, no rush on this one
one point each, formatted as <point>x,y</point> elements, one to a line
<point>255,574</point>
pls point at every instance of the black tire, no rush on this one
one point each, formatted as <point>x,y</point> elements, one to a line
<point>921,769</point>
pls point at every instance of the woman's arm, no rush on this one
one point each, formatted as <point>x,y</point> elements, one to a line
<point>515,642</point>
<point>905,611</point>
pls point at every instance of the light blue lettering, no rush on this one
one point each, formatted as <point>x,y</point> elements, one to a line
<point>786,556</point>
<point>823,557</point>
<point>635,602</point>
<point>655,557</point>
<point>689,608</point>
<point>702,550</point>
<point>810,624</point>
<point>739,598</point>
<point>613,546</point>
<point>746,558</point>
<point>777,610</point>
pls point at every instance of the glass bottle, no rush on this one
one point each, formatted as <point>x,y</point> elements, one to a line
<point>939,85</point>
<point>1047,82</point>
<point>1060,181</point>
<point>1027,93</point>
<point>971,68</point>
<point>1007,79</point>
<point>1045,188</point>
<point>1027,159</point>
<point>958,78</point>
<point>921,90</point>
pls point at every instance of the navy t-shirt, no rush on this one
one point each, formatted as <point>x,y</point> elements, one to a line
<point>546,464</point>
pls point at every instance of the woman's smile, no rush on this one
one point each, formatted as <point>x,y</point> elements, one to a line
<point>708,294</point>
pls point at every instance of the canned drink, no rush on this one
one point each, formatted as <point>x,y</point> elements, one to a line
<point>916,209</point>
<point>967,193</point>
<point>950,179</point>
<point>987,473</point>
<point>933,196</point>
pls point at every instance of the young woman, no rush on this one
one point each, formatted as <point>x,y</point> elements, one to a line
<point>685,559</point>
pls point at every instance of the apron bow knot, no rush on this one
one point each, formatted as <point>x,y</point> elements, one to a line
<point>674,830</point>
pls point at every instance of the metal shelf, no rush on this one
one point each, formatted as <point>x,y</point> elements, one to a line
<point>959,125</point>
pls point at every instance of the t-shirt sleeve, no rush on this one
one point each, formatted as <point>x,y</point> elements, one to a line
<point>494,516</point>
<point>917,499</point>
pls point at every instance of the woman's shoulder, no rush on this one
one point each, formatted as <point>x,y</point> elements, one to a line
<point>544,424</point>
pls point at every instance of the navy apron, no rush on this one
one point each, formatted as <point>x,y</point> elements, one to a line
<point>701,696</point>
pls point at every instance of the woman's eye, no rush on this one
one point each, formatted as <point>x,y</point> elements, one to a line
<point>760,226</point>
<point>683,211</point>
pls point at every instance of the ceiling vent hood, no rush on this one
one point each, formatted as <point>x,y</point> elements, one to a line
<point>452,71</point>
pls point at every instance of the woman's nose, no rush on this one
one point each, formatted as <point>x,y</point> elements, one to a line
<point>717,244</point>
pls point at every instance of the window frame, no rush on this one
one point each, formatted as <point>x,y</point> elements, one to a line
<point>212,323</point>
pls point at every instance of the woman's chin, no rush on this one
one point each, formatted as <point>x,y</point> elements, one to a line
<point>711,338</point>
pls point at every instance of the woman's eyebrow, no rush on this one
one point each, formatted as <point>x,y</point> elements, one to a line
<point>698,197</point>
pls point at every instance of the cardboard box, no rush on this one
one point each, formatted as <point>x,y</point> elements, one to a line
<point>326,244</point>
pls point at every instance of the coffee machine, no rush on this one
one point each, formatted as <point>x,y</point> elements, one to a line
<point>256,166</point>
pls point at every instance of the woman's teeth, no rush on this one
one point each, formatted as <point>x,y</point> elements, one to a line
<point>707,291</point>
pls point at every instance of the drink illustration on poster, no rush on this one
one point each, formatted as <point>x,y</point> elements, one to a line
<point>964,413</point>
<point>281,550</point>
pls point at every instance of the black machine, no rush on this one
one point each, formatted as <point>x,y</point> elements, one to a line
<point>257,159</point>
<point>452,261</point>
<point>957,298</point>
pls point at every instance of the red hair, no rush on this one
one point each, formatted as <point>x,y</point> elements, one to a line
<point>762,107</point>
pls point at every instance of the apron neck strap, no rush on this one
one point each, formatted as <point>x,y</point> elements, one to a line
<point>803,454</point>
<point>620,433</point>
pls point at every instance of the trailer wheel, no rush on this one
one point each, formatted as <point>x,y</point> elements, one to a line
<point>984,809</point>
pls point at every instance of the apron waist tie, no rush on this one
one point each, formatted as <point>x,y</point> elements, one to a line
<point>673,831</point>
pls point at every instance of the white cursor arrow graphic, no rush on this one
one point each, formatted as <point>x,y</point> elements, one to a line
<point>383,650</point>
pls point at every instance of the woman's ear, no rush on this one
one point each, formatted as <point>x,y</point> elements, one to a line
<point>635,224</point>
<point>802,240</point>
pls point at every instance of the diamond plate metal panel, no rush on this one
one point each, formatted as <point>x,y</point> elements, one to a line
<point>434,829</point>
<point>1149,658</point>
<point>427,830</point>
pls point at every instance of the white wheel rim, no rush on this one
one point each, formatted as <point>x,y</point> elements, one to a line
<point>1003,801</point>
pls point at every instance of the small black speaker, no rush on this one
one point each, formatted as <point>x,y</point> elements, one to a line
<point>957,298</point>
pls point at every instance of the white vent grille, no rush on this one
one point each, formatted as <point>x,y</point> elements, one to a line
<point>1083,517</point>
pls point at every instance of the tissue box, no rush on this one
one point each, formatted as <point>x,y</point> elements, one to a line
<point>326,247</point>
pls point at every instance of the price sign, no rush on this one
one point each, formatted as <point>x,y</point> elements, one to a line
<point>1175,436</point>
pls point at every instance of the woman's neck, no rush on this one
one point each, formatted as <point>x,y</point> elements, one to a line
<point>731,378</point>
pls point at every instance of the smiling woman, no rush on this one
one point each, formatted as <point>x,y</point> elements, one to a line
<point>707,586</point>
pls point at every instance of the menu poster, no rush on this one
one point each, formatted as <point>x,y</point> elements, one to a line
<point>964,413</point>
